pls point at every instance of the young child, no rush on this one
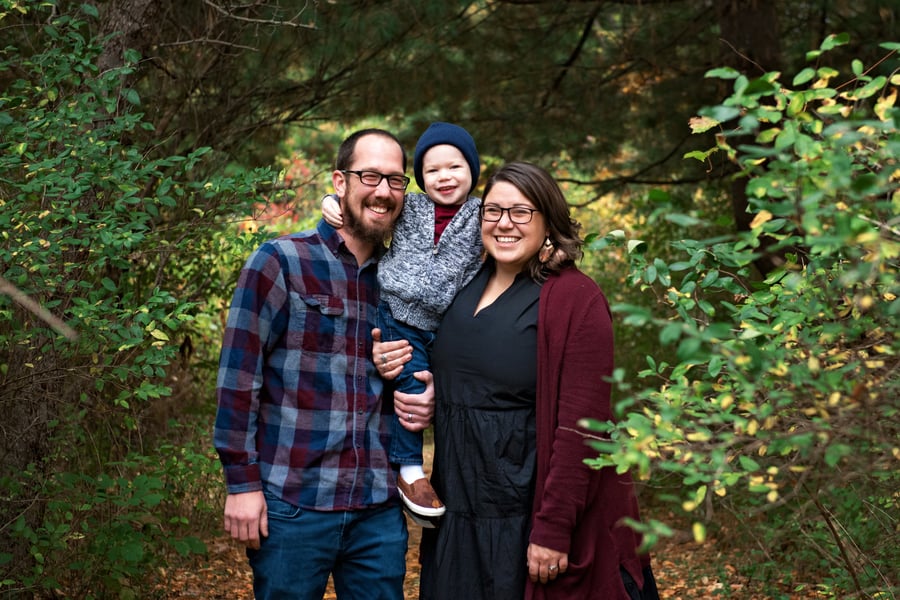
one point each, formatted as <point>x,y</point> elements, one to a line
<point>435,250</point>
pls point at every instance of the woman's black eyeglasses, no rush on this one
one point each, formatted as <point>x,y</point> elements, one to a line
<point>520,215</point>
<point>373,179</point>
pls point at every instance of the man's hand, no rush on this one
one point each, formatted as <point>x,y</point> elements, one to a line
<point>415,411</point>
<point>246,518</point>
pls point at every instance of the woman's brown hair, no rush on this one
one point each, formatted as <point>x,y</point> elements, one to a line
<point>541,189</point>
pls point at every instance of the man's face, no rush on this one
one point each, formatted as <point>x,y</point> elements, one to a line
<point>370,211</point>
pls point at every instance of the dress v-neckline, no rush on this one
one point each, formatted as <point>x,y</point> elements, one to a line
<point>478,306</point>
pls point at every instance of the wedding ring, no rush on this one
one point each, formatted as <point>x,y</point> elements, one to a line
<point>384,359</point>
<point>553,568</point>
<point>409,417</point>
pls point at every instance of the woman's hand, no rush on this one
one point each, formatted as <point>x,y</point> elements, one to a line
<point>545,564</point>
<point>415,411</point>
<point>389,357</point>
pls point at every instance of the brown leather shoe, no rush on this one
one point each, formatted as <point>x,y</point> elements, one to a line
<point>420,497</point>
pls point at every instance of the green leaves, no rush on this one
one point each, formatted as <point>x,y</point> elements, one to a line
<point>781,388</point>
<point>831,42</point>
<point>124,243</point>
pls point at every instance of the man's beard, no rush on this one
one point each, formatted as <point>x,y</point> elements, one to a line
<point>356,227</point>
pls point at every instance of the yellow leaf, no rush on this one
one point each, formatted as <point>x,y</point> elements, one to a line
<point>160,335</point>
<point>779,370</point>
<point>885,103</point>
<point>760,218</point>
<point>890,250</point>
<point>699,532</point>
<point>701,494</point>
<point>867,237</point>
<point>701,124</point>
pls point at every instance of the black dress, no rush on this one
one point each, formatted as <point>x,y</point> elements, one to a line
<point>484,432</point>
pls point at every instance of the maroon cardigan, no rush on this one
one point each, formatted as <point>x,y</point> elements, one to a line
<point>577,509</point>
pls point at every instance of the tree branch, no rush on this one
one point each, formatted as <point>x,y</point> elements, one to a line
<point>635,177</point>
<point>39,311</point>
<point>585,33</point>
<point>231,15</point>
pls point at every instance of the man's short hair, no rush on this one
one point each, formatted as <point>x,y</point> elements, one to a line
<point>348,147</point>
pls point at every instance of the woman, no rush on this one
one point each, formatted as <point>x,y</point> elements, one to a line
<point>522,354</point>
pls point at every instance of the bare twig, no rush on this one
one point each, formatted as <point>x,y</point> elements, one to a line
<point>231,15</point>
<point>826,517</point>
<point>39,311</point>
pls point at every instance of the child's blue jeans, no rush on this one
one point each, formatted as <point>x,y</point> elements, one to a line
<point>406,446</point>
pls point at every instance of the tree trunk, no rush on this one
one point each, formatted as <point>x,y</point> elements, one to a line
<point>132,22</point>
<point>750,44</point>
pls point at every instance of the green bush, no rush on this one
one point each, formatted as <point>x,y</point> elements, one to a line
<point>782,406</point>
<point>135,252</point>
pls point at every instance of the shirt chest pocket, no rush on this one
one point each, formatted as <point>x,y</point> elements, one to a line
<point>319,321</point>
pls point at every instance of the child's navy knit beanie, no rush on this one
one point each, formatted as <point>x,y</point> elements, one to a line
<point>447,133</point>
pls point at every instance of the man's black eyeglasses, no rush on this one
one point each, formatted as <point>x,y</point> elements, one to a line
<point>520,215</point>
<point>373,179</point>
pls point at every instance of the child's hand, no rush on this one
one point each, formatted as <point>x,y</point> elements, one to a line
<point>331,211</point>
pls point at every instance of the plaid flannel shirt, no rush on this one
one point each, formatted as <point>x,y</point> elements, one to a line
<point>299,399</point>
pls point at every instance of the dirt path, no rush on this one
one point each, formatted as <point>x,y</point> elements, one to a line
<point>684,571</point>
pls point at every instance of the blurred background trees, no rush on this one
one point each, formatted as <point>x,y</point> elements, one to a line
<point>147,146</point>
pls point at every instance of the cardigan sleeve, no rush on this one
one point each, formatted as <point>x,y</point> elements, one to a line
<point>577,360</point>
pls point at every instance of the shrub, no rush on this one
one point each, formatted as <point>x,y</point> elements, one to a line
<point>129,249</point>
<point>782,404</point>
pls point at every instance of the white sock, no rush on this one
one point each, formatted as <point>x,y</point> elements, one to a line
<point>411,473</point>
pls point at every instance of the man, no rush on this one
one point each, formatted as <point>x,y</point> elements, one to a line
<point>301,429</point>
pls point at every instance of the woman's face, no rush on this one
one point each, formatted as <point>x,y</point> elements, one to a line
<point>511,244</point>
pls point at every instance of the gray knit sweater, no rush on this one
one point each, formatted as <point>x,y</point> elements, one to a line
<point>418,279</point>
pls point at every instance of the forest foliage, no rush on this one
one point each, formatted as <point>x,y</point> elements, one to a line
<point>781,401</point>
<point>142,144</point>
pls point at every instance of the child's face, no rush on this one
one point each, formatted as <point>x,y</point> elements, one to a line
<point>446,175</point>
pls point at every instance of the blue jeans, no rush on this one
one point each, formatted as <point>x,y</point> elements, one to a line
<point>406,446</point>
<point>363,550</point>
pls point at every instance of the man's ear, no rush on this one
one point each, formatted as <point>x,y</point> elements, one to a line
<point>339,182</point>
